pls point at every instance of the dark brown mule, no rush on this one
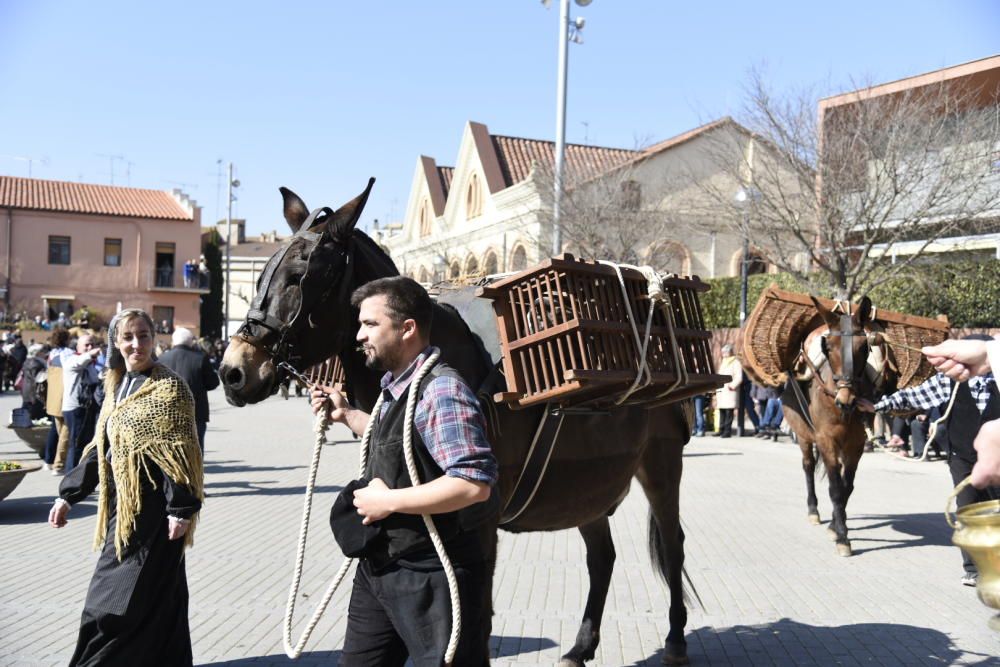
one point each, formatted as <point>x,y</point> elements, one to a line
<point>830,420</point>
<point>302,314</point>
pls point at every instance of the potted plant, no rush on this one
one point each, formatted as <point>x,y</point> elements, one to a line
<point>11,474</point>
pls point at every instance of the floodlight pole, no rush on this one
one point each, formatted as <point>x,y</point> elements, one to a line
<point>560,124</point>
<point>229,245</point>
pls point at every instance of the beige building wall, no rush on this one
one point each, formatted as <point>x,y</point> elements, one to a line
<point>513,220</point>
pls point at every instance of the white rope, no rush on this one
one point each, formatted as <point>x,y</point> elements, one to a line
<point>322,424</point>
<point>933,428</point>
<point>449,572</point>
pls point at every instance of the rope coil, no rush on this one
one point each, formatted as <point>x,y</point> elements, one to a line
<point>321,426</point>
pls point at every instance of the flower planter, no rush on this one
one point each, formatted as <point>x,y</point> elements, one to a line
<point>9,479</point>
<point>35,437</point>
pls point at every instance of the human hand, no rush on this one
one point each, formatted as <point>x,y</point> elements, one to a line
<point>986,472</point>
<point>331,400</point>
<point>373,501</point>
<point>959,359</point>
<point>57,515</point>
<point>863,404</point>
<point>176,528</point>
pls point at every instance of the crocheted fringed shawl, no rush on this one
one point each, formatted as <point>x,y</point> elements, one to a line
<point>156,425</point>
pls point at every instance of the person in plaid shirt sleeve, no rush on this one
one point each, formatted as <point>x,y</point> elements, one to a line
<point>977,402</point>
<point>400,604</point>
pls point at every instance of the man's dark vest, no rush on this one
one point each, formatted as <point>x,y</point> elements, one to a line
<point>965,420</point>
<point>405,534</point>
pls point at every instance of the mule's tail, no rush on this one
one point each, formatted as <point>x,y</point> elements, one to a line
<point>662,559</point>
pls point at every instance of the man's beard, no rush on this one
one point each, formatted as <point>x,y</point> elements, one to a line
<point>385,361</point>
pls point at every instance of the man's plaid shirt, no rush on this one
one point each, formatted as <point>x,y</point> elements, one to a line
<point>935,391</point>
<point>449,421</point>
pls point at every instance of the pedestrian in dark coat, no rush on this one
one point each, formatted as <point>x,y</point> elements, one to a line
<point>188,360</point>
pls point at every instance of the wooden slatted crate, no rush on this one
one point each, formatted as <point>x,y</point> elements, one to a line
<point>567,339</point>
<point>329,373</point>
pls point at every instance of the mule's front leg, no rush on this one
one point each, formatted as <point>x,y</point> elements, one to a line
<point>600,565</point>
<point>839,494</point>
<point>809,467</point>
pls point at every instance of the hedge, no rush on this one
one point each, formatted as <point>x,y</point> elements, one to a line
<point>968,292</point>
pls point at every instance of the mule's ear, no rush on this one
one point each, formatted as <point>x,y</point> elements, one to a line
<point>827,316</point>
<point>296,211</point>
<point>864,311</point>
<point>344,218</point>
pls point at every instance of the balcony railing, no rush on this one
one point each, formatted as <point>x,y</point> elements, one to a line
<point>171,280</point>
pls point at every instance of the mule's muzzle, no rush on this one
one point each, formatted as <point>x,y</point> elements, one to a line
<point>247,373</point>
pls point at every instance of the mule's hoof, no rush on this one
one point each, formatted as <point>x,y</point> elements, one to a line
<point>569,662</point>
<point>844,550</point>
<point>813,519</point>
<point>832,534</point>
<point>675,654</point>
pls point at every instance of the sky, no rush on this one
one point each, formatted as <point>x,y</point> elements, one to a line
<point>318,96</point>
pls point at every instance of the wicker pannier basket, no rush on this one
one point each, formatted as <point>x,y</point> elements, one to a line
<point>780,321</point>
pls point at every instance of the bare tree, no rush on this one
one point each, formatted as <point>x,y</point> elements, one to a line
<point>832,194</point>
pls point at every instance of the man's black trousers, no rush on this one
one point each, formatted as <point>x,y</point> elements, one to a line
<point>403,611</point>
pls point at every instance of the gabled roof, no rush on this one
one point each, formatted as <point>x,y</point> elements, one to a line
<point>42,195</point>
<point>446,174</point>
<point>517,155</point>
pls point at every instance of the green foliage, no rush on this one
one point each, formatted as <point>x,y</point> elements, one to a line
<point>26,325</point>
<point>94,319</point>
<point>968,292</point>
<point>212,303</point>
<point>6,466</point>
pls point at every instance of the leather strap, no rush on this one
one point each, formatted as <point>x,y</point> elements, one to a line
<point>535,465</point>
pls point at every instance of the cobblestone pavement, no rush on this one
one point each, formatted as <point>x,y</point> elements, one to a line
<point>773,590</point>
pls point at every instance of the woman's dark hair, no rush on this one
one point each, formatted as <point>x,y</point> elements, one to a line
<point>59,337</point>
<point>405,298</point>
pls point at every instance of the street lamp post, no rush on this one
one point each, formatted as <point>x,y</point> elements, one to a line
<point>565,36</point>
<point>231,183</point>
<point>744,198</point>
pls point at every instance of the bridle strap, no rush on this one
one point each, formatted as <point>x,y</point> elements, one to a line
<point>278,337</point>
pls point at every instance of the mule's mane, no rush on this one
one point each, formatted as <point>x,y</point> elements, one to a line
<point>373,261</point>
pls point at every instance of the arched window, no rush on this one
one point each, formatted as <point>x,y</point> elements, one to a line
<point>490,264</point>
<point>669,257</point>
<point>473,198</point>
<point>425,276</point>
<point>471,266</point>
<point>454,271</point>
<point>756,263</point>
<point>425,220</point>
<point>519,259</point>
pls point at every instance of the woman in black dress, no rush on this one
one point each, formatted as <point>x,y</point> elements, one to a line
<point>147,465</point>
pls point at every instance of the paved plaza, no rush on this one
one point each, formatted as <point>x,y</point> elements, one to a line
<point>772,589</point>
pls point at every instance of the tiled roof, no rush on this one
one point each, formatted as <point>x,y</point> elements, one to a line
<point>516,156</point>
<point>446,174</point>
<point>41,195</point>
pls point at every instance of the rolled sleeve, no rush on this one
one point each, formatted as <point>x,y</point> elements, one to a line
<point>452,426</point>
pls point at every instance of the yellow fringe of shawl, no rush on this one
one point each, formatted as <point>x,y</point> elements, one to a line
<point>156,424</point>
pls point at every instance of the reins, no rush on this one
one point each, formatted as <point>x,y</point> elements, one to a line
<point>321,427</point>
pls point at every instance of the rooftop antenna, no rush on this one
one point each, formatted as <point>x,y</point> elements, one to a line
<point>184,186</point>
<point>111,160</point>
<point>29,160</point>
<point>586,131</point>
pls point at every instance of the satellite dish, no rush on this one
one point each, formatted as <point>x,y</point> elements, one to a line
<point>583,3</point>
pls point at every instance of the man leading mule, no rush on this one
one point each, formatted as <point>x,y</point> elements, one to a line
<point>400,604</point>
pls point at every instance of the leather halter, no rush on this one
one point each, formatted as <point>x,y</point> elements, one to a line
<point>847,378</point>
<point>265,331</point>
